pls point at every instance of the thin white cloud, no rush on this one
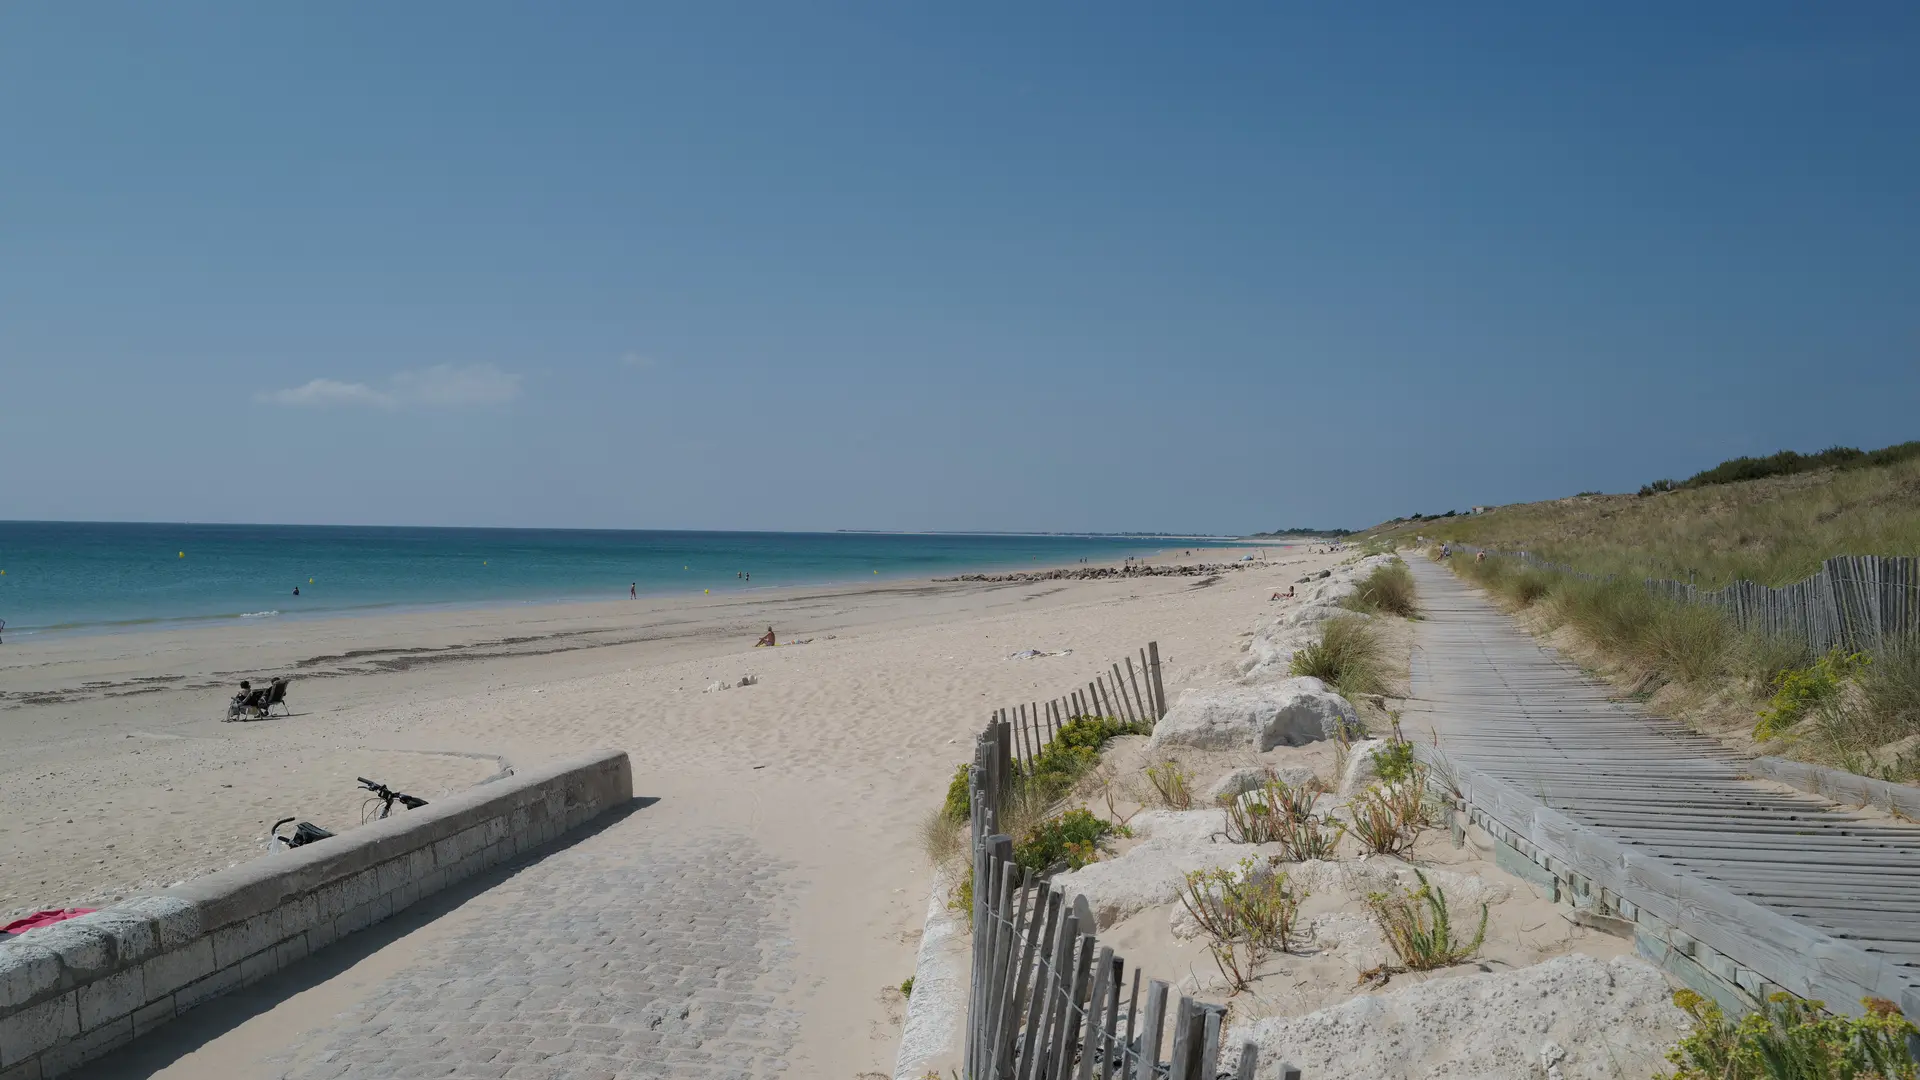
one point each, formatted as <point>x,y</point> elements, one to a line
<point>446,385</point>
<point>443,386</point>
<point>325,392</point>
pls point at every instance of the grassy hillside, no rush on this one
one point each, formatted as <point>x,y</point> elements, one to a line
<point>1775,530</point>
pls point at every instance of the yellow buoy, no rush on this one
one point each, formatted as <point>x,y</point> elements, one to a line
<point>709,592</point>
<point>183,554</point>
<point>309,581</point>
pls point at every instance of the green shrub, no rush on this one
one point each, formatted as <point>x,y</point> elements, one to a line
<point>1389,590</point>
<point>1074,752</point>
<point>906,987</point>
<point>1798,690</point>
<point>959,805</point>
<point>1791,1039</point>
<point>1419,928</point>
<point>1348,657</point>
<point>1074,838</point>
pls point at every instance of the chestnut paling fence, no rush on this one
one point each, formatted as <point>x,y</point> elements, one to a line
<point>1859,603</point>
<point>1047,1001</point>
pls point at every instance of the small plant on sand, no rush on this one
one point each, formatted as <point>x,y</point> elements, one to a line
<point>1380,822</point>
<point>1074,839</point>
<point>1791,1039</point>
<point>1172,784</point>
<point>1420,930</point>
<point>1111,793</point>
<point>1247,914</point>
<point>1348,657</point>
<point>1393,762</point>
<point>960,897</point>
<point>1388,590</point>
<point>906,987</point>
<point>1314,836</point>
<point>1796,691</point>
<point>1268,813</point>
<point>942,838</point>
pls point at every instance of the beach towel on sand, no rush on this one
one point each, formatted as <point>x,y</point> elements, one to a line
<point>43,918</point>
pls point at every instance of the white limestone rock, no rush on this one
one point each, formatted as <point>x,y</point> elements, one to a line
<point>1360,771</point>
<point>1252,777</point>
<point>1151,873</point>
<point>1292,712</point>
<point>1604,1018</point>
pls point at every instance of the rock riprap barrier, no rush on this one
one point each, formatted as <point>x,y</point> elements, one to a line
<point>1095,573</point>
<point>1292,712</point>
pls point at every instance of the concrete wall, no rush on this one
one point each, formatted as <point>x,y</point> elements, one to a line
<point>74,991</point>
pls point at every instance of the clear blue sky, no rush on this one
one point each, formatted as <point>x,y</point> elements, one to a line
<point>800,266</point>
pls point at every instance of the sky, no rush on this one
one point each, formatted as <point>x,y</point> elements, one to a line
<point>1113,266</point>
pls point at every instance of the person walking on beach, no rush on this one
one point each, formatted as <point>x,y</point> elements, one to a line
<point>633,591</point>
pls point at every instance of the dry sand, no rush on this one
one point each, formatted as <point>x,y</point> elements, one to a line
<point>116,774</point>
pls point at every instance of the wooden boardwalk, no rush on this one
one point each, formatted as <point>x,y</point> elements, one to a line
<point>1809,895</point>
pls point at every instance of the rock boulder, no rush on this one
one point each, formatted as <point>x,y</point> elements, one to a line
<point>1291,712</point>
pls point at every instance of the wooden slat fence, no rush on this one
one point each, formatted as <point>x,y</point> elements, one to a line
<point>1857,603</point>
<point>1124,692</point>
<point>1047,1001</point>
<point>1046,998</point>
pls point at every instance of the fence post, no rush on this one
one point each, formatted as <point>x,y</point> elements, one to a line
<point>1145,710</point>
<point>1180,1060</point>
<point>1148,1067</point>
<point>1159,687</point>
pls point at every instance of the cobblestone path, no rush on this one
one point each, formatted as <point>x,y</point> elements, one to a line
<point>610,958</point>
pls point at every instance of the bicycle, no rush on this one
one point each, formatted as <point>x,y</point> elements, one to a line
<point>306,832</point>
<point>386,797</point>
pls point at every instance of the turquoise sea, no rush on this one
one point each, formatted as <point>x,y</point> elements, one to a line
<point>101,576</point>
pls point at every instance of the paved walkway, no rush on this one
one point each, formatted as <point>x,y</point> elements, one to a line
<point>1504,705</point>
<point>634,952</point>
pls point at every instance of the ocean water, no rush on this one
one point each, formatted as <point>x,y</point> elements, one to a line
<point>67,576</point>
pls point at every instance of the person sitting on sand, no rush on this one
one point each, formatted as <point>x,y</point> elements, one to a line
<point>767,640</point>
<point>247,697</point>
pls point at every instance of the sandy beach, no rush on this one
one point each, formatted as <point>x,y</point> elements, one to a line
<point>119,776</point>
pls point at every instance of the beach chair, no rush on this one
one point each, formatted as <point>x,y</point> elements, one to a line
<point>277,695</point>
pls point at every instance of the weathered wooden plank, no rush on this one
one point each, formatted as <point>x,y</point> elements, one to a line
<point>1661,822</point>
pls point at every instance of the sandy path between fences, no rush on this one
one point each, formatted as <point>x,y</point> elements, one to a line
<point>820,774</point>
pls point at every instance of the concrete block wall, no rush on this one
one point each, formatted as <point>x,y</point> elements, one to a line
<point>75,990</point>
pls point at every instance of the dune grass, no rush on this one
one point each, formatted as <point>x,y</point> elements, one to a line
<point>1419,927</point>
<point>1348,657</point>
<point>1388,590</point>
<point>1776,530</point>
